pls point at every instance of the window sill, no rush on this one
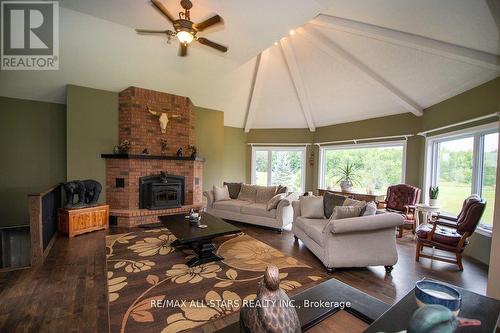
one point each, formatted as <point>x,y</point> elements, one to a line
<point>483,231</point>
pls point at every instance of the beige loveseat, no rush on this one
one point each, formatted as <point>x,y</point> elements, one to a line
<point>350,242</point>
<point>253,211</point>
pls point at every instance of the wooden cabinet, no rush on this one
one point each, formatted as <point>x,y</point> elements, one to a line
<point>79,221</point>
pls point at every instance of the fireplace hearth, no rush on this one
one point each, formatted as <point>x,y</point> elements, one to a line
<point>161,191</point>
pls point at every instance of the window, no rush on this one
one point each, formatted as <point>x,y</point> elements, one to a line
<point>378,165</point>
<point>279,166</point>
<point>463,163</point>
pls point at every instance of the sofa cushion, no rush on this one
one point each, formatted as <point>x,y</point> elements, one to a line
<point>344,212</point>
<point>221,193</point>
<point>312,207</point>
<point>281,189</point>
<point>330,200</point>
<point>234,189</point>
<point>258,209</point>
<point>248,192</point>
<point>231,205</point>
<point>274,201</point>
<point>265,193</point>
<point>352,202</point>
<point>312,228</point>
<point>369,209</point>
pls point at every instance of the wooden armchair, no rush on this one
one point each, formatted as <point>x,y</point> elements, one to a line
<point>449,233</point>
<point>402,199</point>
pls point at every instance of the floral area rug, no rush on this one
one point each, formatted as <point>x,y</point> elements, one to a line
<point>152,290</point>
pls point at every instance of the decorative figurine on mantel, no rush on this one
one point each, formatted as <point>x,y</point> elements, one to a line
<point>163,117</point>
<point>179,152</point>
<point>88,192</point>
<point>277,316</point>
<point>164,147</point>
<point>193,151</point>
<point>122,148</point>
<point>145,151</point>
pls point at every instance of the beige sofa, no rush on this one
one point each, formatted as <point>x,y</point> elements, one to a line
<point>350,242</point>
<point>249,211</point>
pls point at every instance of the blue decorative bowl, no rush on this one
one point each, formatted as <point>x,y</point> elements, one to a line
<point>431,292</point>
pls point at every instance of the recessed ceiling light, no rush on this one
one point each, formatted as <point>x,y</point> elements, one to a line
<point>292,32</point>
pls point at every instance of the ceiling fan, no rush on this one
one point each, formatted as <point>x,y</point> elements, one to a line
<point>185,29</point>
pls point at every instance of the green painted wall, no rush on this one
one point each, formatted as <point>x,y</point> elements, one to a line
<point>209,131</point>
<point>235,155</point>
<point>92,129</point>
<point>33,146</point>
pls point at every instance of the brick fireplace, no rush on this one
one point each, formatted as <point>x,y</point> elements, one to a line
<point>142,129</point>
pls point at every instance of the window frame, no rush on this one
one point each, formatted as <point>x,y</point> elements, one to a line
<point>270,149</point>
<point>432,156</point>
<point>382,144</point>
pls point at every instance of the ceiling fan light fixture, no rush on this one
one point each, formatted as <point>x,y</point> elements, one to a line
<point>185,37</point>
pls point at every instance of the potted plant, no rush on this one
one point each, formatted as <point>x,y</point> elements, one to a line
<point>433,195</point>
<point>348,176</point>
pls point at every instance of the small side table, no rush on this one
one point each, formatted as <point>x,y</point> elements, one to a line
<point>427,212</point>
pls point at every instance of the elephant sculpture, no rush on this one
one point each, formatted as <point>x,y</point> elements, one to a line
<point>88,192</point>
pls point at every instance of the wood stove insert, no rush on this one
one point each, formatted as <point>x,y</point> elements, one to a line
<point>161,191</point>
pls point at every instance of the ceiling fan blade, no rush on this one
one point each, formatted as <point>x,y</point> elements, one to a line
<point>183,50</point>
<point>207,23</point>
<point>147,31</point>
<point>216,46</point>
<point>164,10</point>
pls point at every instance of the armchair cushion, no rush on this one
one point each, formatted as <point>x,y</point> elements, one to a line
<point>444,236</point>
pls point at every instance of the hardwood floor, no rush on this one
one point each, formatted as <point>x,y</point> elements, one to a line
<point>69,292</point>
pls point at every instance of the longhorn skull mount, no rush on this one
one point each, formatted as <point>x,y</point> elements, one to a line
<point>163,118</point>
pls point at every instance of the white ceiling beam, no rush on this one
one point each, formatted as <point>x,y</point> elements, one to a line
<point>256,88</point>
<point>298,82</point>
<point>333,49</point>
<point>429,45</point>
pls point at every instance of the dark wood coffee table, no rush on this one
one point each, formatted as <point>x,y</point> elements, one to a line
<point>198,239</point>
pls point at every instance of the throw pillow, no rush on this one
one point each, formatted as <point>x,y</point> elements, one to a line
<point>281,189</point>
<point>312,207</point>
<point>265,193</point>
<point>274,201</point>
<point>369,209</point>
<point>247,193</point>
<point>330,201</point>
<point>352,202</point>
<point>221,193</point>
<point>344,212</point>
<point>234,189</point>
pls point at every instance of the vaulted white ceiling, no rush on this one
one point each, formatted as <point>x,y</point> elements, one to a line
<point>347,60</point>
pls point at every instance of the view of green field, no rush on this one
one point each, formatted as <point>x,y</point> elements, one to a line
<point>375,168</point>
